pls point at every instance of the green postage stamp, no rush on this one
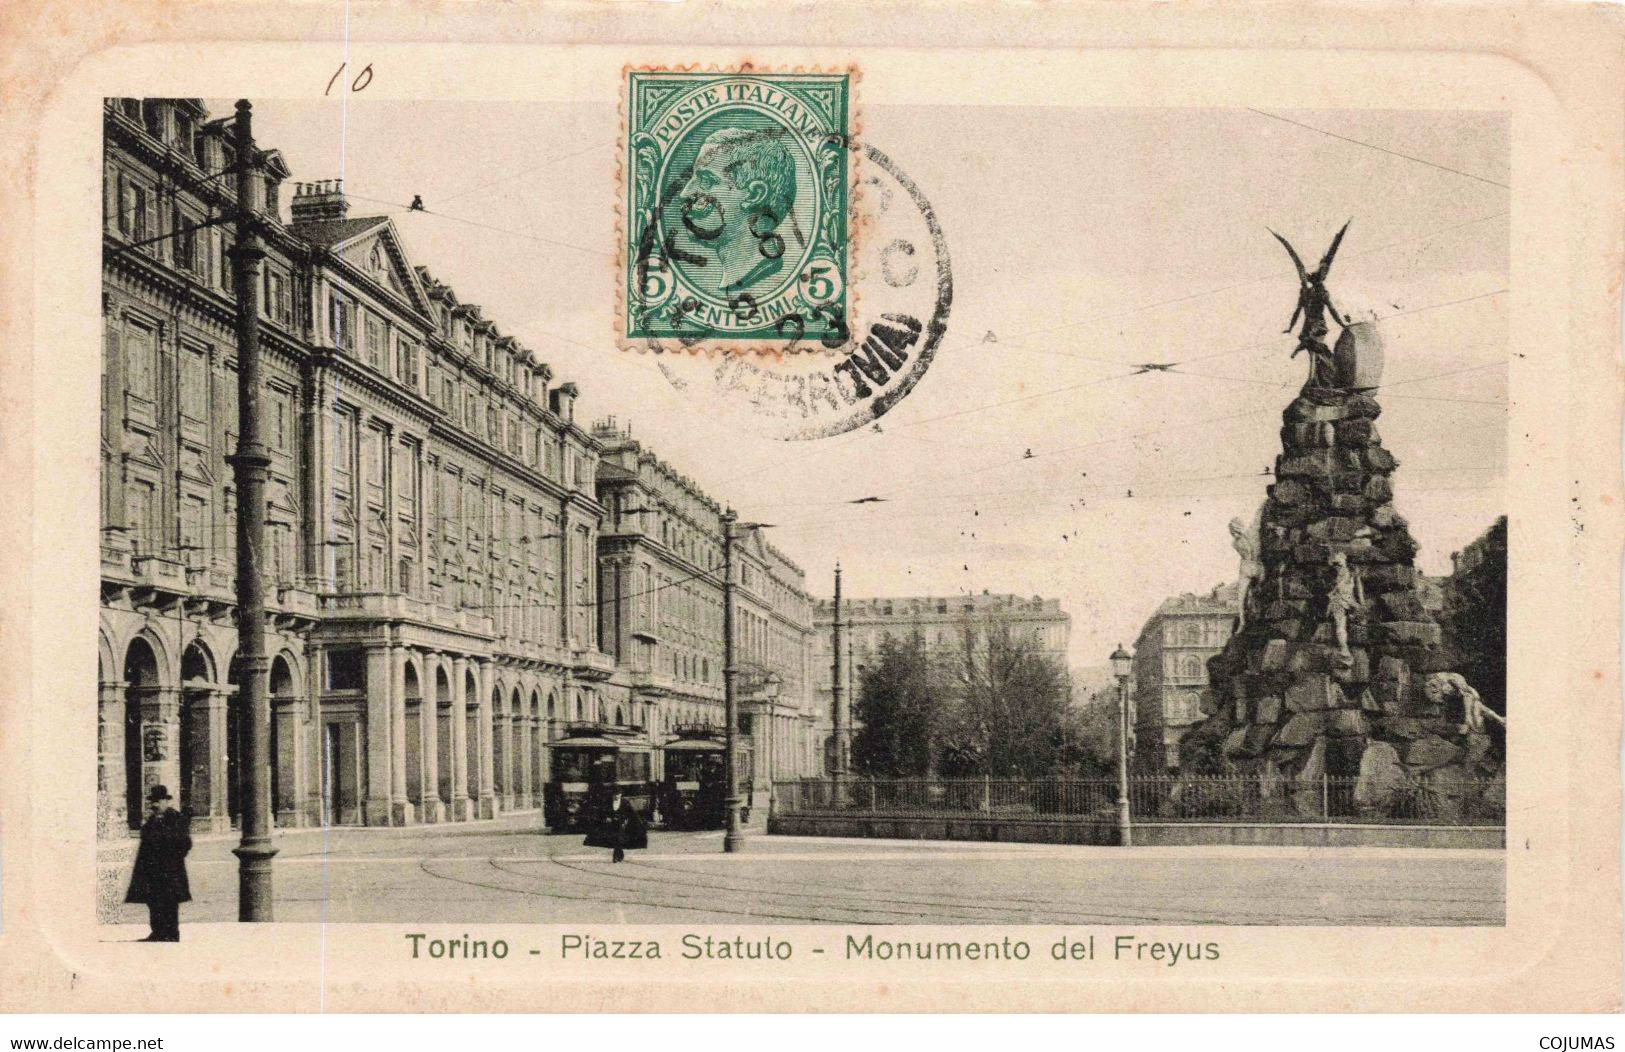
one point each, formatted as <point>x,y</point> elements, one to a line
<point>735,229</point>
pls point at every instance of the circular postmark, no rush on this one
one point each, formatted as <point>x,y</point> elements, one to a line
<point>903,282</point>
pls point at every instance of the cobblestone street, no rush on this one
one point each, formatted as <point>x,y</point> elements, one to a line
<point>506,872</point>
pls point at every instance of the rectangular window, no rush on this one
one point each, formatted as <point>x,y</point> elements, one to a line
<point>375,342</point>
<point>125,203</point>
<point>343,453</point>
<point>184,237</point>
<point>408,371</point>
<point>448,395</point>
<point>406,481</point>
<point>513,438</point>
<point>195,384</point>
<point>375,456</point>
<point>140,517</point>
<point>141,363</point>
<point>471,412</point>
<point>142,222</point>
<point>280,430</point>
<point>343,568</point>
<point>346,669</point>
<point>342,321</point>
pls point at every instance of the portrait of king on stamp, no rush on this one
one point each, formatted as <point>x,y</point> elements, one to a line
<point>736,222</point>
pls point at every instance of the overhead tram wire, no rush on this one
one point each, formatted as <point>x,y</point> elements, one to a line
<point>1268,409</point>
<point>442,199</point>
<point>405,208</point>
<point>990,513</point>
<point>1381,149</point>
<point>1271,341</point>
<point>1273,275</point>
<point>1124,376</point>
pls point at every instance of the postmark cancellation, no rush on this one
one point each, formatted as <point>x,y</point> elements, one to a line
<point>735,210</point>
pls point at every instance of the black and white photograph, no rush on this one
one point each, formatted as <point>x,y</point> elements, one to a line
<point>695,510</point>
<point>1188,605</point>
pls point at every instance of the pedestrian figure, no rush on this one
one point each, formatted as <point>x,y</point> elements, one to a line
<point>621,830</point>
<point>159,877</point>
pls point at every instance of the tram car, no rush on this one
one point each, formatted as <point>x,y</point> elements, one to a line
<point>589,765</point>
<point>693,794</point>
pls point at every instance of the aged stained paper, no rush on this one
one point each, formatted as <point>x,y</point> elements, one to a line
<point>1060,410</point>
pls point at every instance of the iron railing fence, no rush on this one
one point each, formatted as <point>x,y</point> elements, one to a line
<point>1218,798</point>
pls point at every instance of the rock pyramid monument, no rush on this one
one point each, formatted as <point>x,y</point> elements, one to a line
<point>1337,667</point>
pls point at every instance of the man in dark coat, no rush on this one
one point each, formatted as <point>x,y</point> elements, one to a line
<point>623,829</point>
<point>159,878</point>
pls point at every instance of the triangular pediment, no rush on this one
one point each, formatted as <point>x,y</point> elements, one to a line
<point>378,253</point>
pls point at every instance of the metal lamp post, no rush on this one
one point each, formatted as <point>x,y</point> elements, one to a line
<point>733,839</point>
<point>1122,664</point>
<point>251,465</point>
<point>770,690</point>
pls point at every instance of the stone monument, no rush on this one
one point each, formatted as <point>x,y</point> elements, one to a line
<point>1335,667</point>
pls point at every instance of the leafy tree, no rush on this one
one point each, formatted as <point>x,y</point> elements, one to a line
<point>1091,737</point>
<point>899,705</point>
<point>1006,719</point>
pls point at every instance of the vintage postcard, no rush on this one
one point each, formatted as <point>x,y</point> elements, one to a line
<point>940,508</point>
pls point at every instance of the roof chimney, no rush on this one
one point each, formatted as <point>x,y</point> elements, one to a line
<point>319,202</point>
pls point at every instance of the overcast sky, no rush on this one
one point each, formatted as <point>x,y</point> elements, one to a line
<point>1085,240</point>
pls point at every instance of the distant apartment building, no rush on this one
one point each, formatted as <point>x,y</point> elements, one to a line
<point>1170,670</point>
<point>940,621</point>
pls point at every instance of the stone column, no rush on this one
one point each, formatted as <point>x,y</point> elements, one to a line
<point>206,730</point>
<point>462,808</point>
<point>430,808</point>
<point>380,682</point>
<point>527,787</point>
<point>160,739</point>
<point>401,811</point>
<point>111,817</point>
<point>487,791</point>
<point>287,756</point>
<point>504,730</point>
<point>315,739</point>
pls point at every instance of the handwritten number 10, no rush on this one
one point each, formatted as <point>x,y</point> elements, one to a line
<point>359,84</point>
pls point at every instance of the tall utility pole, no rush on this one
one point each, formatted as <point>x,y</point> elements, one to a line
<point>733,839</point>
<point>837,681</point>
<point>251,466</point>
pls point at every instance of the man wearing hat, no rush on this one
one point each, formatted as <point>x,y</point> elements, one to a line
<point>159,879</point>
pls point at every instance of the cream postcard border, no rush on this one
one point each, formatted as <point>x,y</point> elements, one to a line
<point>1560,946</point>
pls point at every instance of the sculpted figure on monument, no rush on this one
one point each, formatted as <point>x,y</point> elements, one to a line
<point>1314,303</point>
<point>1443,687</point>
<point>1346,594</point>
<point>1245,540</point>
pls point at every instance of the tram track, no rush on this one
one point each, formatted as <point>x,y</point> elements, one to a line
<point>597,899</point>
<point>946,912</point>
<point>1055,907</point>
<point>679,887</point>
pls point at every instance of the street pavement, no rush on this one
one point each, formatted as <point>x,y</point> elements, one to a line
<point>507,871</point>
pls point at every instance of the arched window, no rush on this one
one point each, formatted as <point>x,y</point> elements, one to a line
<point>1191,634</point>
<point>1193,667</point>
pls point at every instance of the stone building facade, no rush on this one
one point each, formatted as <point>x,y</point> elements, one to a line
<point>940,621</point>
<point>433,516</point>
<point>660,565</point>
<point>1170,671</point>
